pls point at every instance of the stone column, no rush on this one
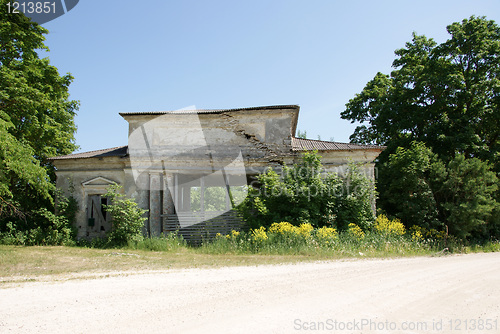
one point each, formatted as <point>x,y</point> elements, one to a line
<point>168,195</point>
<point>186,198</point>
<point>154,204</point>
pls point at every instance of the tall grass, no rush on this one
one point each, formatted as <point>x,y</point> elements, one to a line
<point>387,238</point>
<point>164,243</point>
<point>345,245</point>
<point>306,241</point>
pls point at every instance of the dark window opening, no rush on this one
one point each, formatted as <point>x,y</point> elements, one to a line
<point>104,201</point>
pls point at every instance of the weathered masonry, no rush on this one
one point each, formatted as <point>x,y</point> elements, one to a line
<point>192,166</point>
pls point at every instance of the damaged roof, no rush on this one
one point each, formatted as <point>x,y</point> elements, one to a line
<point>294,107</point>
<point>299,144</point>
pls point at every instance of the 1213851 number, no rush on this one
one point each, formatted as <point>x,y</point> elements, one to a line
<point>39,7</point>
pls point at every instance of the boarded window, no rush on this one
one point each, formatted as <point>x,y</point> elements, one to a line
<point>98,218</point>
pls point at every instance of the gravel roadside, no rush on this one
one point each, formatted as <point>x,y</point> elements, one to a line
<point>408,295</point>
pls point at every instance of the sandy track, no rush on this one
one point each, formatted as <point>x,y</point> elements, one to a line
<point>427,295</point>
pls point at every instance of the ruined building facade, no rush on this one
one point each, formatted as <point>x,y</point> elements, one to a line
<point>180,163</point>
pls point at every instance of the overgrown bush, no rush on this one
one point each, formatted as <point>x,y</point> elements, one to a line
<point>305,194</point>
<point>326,236</point>
<point>464,190</point>
<point>405,187</point>
<point>127,218</point>
<point>421,189</point>
<point>43,227</point>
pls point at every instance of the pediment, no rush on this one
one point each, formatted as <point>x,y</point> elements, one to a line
<point>98,181</point>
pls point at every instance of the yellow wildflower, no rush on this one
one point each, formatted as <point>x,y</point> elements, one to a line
<point>416,233</point>
<point>389,227</point>
<point>326,233</point>
<point>282,228</point>
<point>356,231</point>
<point>304,230</point>
<point>259,234</point>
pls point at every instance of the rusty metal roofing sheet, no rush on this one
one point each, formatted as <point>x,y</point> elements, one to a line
<point>299,144</point>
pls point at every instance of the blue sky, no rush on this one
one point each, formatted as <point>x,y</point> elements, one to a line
<point>167,55</point>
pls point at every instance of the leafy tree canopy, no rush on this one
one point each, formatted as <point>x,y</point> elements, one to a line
<point>438,112</point>
<point>36,115</point>
<point>445,95</point>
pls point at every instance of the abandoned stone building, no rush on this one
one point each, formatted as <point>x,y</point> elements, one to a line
<point>183,165</point>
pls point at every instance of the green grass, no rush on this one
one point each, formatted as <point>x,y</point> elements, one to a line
<point>40,263</point>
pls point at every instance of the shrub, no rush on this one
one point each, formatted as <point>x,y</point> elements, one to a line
<point>285,239</point>
<point>305,194</point>
<point>416,233</point>
<point>421,233</point>
<point>127,218</point>
<point>282,228</point>
<point>464,189</point>
<point>304,230</point>
<point>417,186</point>
<point>354,203</point>
<point>405,187</point>
<point>43,227</point>
<point>285,228</point>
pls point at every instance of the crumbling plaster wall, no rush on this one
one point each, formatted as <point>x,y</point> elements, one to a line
<point>260,136</point>
<point>72,174</point>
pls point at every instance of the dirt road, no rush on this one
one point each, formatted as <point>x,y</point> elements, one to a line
<point>450,294</point>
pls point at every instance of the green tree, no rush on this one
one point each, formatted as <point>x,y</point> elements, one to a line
<point>421,189</point>
<point>301,134</point>
<point>464,190</point>
<point>36,116</point>
<point>445,95</point>
<point>405,186</point>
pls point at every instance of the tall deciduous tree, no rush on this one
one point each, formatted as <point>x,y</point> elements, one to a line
<point>36,115</point>
<point>446,95</point>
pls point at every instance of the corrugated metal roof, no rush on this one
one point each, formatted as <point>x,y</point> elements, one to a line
<point>206,111</point>
<point>119,151</point>
<point>299,144</point>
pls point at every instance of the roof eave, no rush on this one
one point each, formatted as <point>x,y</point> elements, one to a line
<point>207,111</point>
